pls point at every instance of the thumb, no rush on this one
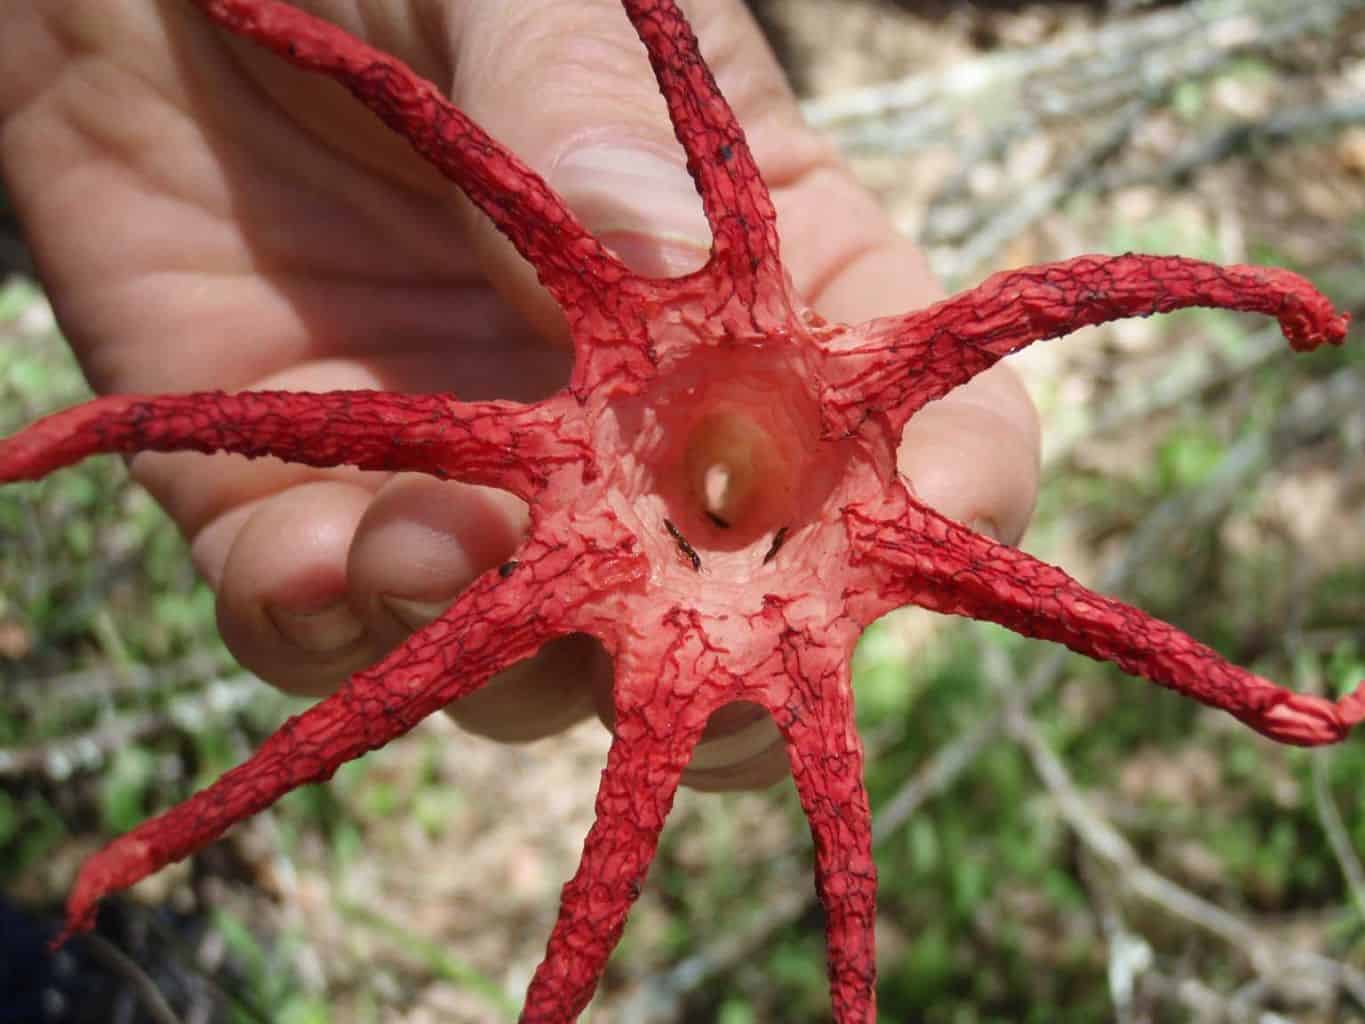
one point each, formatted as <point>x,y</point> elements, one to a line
<point>566,85</point>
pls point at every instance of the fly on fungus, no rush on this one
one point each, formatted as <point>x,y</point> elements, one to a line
<point>686,394</point>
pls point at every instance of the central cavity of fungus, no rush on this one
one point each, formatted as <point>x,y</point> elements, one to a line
<point>735,471</point>
<point>727,458</point>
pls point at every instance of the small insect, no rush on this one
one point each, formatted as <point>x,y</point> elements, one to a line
<point>717,520</point>
<point>507,568</point>
<point>689,552</point>
<point>776,546</point>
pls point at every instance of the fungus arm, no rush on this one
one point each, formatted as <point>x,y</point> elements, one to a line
<point>920,557</point>
<point>744,250</point>
<point>576,268</point>
<point>826,757</point>
<point>633,800</point>
<point>499,620</point>
<point>897,365</point>
<point>500,444</point>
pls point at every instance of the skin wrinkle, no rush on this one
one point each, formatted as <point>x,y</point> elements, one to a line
<point>304,109</point>
<point>576,63</point>
<point>100,129</point>
<point>78,308</point>
<point>285,285</point>
<point>141,188</point>
<point>136,133</point>
<point>162,184</point>
<point>427,194</point>
<point>101,132</point>
<point>402,28</point>
<point>434,22</point>
<point>83,28</point>
<point>157,189</point>
<point>22,82</point>
<point>424,206</point>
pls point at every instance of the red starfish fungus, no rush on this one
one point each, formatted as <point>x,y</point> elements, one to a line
<point>714,496</point>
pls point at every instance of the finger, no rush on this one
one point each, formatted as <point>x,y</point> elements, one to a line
<point>567,86</point>
<point>421,542</point>
<point>283,606</point>
<point>272,539</point>
<point>974,454</point>
<point>741,749</point>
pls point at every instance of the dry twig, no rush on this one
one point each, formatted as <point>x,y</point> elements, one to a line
<point>148,995</point>
<point>1271,960</point>
<point>58,759</point>
<point>1100,86</point>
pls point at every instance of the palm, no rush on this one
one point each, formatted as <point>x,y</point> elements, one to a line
<point>265,252</point>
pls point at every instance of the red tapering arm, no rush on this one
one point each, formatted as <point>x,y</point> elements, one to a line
<point>926,559</point>
<point>734,196</point>
<point>503,617</point>
<point>826,757</point>
<point>633,800</point>
<point>500,444</point>
<point>576,268</point>
<point>897,365</point>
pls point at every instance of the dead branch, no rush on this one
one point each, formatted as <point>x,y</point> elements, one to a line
<point>148,995</point>
<point>113,680</point>
<point>59,759</point>
<point>1269,959</point>
<point>1092,93</point>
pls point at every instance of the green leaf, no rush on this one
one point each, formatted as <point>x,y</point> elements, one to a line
<point>124,788</point>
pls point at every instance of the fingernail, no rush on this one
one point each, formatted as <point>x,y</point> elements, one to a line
<point>736,748</point>
<point>642,205</point>
<point>414,615</point>
<point>325,631</point>
<point>986,527</point>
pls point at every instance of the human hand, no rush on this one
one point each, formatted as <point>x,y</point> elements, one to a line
<point>206,217</point>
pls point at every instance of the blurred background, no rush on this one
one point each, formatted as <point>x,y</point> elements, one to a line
<point>1056,841</point>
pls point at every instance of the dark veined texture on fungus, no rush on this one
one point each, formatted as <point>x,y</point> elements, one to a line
<point>649,529</point>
